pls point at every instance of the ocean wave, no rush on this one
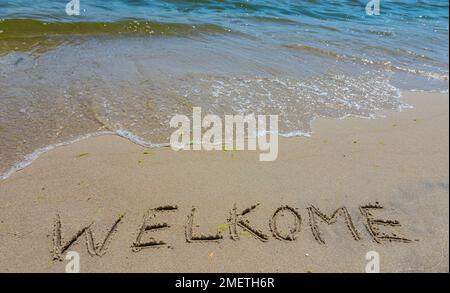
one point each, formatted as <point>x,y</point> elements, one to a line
<point>30,28</point>
<point>136,139</point>
<point>356,99</point>
<point>386,65</point>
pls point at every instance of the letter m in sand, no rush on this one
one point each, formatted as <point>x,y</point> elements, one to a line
<point>343,212</point>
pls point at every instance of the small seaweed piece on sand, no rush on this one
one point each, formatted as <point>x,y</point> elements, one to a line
<point>81,155</point>
<point>225,148</point>
<point>222,227</point>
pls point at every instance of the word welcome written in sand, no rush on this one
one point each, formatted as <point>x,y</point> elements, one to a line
<point>236,221</point>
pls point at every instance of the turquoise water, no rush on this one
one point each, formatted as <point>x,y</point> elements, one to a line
<point>128,66</point>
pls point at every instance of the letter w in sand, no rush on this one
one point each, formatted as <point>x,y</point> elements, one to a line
<point>94,249</point>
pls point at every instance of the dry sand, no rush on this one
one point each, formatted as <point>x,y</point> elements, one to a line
<point>400,161</point>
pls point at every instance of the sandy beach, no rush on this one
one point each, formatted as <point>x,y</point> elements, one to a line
<point>354,186</point>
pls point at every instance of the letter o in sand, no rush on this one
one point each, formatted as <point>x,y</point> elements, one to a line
<point>293,231</point>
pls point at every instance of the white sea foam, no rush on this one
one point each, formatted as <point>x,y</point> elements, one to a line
<point>429,91</point>
<point>137,139</point>
<point>295,133</point>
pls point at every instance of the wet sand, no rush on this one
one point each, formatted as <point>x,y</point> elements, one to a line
<point>387,178</point>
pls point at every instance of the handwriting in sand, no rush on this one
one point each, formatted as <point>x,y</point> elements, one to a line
<point>237,221</point>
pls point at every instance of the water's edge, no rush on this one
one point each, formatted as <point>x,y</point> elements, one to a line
<point>30,158</point>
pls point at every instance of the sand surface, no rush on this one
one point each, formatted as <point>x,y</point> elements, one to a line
<point>394,168</point>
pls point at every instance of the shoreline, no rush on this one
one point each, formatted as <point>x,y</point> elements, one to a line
<point>347,165</point>
<point>31,157</point>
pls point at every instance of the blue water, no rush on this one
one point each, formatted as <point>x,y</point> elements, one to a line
<point>411,35</point>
